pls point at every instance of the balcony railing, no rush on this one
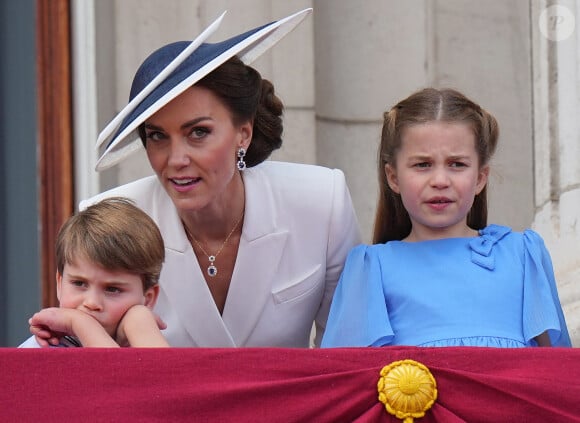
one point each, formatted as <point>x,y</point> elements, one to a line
<point>287,385</point>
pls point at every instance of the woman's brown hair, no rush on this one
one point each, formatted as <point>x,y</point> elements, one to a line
<point>248,97</point>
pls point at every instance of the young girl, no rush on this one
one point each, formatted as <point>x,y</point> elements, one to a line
<point>437,274</point>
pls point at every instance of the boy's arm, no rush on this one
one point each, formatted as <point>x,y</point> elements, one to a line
<point>54,323</point>
<point>140,328</point>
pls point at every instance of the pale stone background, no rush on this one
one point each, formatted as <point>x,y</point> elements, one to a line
<point>350,61</point>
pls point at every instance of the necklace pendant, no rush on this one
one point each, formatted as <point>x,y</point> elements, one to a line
<point>211,270</point>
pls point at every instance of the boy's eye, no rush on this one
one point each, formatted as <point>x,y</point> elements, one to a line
<point>113,289</point>
<point>80,284</point>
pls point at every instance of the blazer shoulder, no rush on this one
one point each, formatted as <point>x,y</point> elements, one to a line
<point>301,189</point>
<point>298,170</point>
<point>142,192</point>
<point>302,178</point>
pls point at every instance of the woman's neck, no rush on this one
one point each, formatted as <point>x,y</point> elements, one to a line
<point>217,219</point>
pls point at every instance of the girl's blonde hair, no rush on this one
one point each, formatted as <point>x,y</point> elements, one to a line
<point>392,222</point>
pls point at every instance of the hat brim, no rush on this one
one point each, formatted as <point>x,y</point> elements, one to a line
<point>120,134</point>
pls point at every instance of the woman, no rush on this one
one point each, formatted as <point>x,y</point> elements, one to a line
<point>254,248</point>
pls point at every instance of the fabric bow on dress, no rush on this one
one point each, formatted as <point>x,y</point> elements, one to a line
<point>482,246</point>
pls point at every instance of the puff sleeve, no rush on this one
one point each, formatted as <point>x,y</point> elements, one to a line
<point>542,310</point>
<point>358,314</point>
<point>343,235</point>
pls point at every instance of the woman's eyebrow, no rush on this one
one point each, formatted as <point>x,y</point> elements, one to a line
<point>184,126</point>
<point>195,122</point>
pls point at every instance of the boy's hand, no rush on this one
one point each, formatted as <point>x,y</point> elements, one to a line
<point>140,327</point>
<point>128,317</point>
<point>51,324</point>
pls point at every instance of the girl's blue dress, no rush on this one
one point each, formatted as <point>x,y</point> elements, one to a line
<point>495,290</point>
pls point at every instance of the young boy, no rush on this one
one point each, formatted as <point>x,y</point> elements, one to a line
<point>109,258</point>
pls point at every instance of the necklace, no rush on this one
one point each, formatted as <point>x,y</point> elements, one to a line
<point>212,269</point>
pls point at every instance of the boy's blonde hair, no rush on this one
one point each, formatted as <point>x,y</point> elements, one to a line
<point>115,234</point>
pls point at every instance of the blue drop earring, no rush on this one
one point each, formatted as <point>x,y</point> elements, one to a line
<point>241,154</point>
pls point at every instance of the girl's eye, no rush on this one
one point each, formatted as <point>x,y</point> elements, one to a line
<point>458,164</point>
<point>422,164</point>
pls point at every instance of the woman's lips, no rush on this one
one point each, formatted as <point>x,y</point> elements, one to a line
<point>184,184</point>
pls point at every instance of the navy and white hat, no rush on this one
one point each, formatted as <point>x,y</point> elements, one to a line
<point>173,68</point>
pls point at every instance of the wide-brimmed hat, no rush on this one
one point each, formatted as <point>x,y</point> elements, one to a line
<point>173,68</point>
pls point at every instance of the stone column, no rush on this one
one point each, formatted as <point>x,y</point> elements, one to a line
<point>483,50</point>
<point>367,58</point>
<point>557,150</point>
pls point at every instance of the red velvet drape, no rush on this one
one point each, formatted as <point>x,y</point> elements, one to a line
<point>282,385</point>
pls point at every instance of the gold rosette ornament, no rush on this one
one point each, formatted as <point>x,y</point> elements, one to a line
<point>407,388</point>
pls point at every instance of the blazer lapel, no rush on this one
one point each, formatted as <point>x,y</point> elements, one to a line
<point>187,294</point>
<point>262,242</point>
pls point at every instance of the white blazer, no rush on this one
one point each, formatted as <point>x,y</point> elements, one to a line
<point>298,228</point>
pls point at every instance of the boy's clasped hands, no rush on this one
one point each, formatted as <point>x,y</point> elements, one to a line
<point>51,325</point>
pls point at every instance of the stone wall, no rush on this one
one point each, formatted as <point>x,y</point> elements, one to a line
<point>351,60</point>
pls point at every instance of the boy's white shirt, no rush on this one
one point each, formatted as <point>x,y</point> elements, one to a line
<point>30,343</point>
